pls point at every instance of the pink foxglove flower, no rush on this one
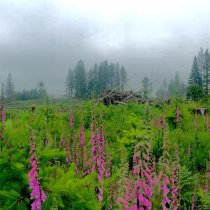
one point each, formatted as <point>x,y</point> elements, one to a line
<point>163,122</point>
<point>68,156</point>
<point>37,194</point>
<point>134,207</point>
<point>193,202</point>
<point>82,143</point>
<point>165,201</point>
<point>143,174</point>
<point>93,150</point>
<point>62,142</point>
<point>177,114</point>
<point>77,162</point>
<point>128,195</point>
<point>159,124</point>
<point>175,181</point>
<point>72,120</point>
<point>206,190</point>
<point>100,194</point>
<point>2,106</point>
<point>98,158</point>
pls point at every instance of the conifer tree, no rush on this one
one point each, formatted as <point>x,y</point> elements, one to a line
<point>195,88</point>
<point>123,77</point>
<point>117,76</point>
<point>70,83</point>
<point>80,80</point>
<point>195,76</point>
<point>206,72</point>
<point>10,92</point>
<point>146,87</point>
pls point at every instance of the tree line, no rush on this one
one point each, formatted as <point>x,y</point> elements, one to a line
<point>173,88</point>
<point>105,75</point>
<point>199,78</point>
<point>99,78</point>
<point>10,94</point>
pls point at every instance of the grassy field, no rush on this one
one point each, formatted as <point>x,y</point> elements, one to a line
<point>84,155</point>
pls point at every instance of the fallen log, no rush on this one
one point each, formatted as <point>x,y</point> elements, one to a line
<point>117,97</point>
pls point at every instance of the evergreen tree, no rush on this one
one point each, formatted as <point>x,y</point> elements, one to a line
<point>200,60</point>
<point>146,87</point>
<point>195,76</point>
<point>195,88</point>
<point>103,76</point>
<point>123,77</point>
<point>70,84</point>
<point>10,92</point>
<point>206,72</point>
<point>117,76</point>
<point>174,87</point>
<point>32,94</point>
<point>80,80</point>
<point>112,75</point>
<point>90,82</point>
<point>99,78</point>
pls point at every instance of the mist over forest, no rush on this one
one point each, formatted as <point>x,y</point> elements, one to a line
<point>42,39</point>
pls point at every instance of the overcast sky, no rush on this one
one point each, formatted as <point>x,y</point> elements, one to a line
<point>40,39</point>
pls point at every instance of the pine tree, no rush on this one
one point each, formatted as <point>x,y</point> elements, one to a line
<point>146,87</point>
<point>195,88</point>
<point>103,76</point>
<point>123,77</point>
<point>95,80</point>
<point>206,72</point>
<point>112,75</point>
<point>10,92</point>
<point>117,76</point>
<point>200,60</point>
<point>80,80</point>
<point>70,84</point>
<point>195,76</point>
<point>90,82</point>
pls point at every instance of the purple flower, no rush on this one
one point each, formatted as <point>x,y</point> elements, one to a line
<point>71,120</point>
<point>2,107</point>
<point>37,194</point>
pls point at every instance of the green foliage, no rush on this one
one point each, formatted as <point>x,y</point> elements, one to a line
<point>69,190</point>
<point>186,186</point>
<point>195,92</point>
<point>123,126</point>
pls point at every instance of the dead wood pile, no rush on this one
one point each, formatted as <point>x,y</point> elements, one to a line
<point>117,97</point>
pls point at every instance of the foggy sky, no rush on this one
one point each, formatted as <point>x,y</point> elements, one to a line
<point>40,39</point>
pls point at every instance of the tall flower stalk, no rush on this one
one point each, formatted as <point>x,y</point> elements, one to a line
<point>93,150</point>
<point>175,188</point>
<point>84,157</point>
<point>37,194</point>
<point>2,106</point>
<point>194,198</point>
<point>143,172</point>
<point>165,166</point>
<point>98,157</point>
<point>71,120</point>
<point>82,143</point>
<point>100,161</point>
